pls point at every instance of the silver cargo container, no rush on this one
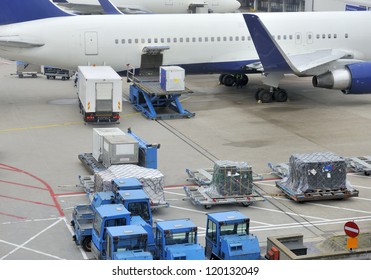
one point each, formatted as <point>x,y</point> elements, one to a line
<point>98,135</point>
<point>120,149</point>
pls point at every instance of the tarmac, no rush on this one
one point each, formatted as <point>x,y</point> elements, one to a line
<point>42,133</point>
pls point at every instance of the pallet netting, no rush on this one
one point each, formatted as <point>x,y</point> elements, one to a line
<point>151,179</point>
<point>231,178</point>
<point>313,172</point>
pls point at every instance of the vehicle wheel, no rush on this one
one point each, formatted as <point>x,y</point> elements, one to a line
<point>34,76</point>
<point>48,77</point>
<point>221,77</point>
<point>245,204</point>
<point>229,80</point>
<point>86,244</point>
<point>242,80</point>
<point>207,206</point>
<point>280,95</point>
<point>20,76</point>
<point>265,96</point>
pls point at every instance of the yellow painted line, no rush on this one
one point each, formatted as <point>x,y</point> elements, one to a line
<point>39,127</point>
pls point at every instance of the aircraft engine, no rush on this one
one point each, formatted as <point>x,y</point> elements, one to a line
<point>352,79</point>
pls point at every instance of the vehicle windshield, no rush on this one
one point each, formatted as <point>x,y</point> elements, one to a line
<point>239,228</point>
<point>125,244</point>
<point>140,209</point>
<point>180,238</point>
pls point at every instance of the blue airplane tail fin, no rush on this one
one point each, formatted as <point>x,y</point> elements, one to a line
<point>14,11</point>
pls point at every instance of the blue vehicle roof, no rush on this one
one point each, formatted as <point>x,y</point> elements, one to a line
<point>112,210</point>
<point>128,230</point>
<point>132,194</point>
<point>227,216</point>
<point>176,225</point>
<point>127,183</point>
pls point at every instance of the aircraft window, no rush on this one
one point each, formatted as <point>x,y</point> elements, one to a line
<point>335,36</point>
<point>230,38</point>
<point>249,38</point>
<point>122,41</point>
<point>274,36</point>
<point>168,40</point>
<point>225,38</point>
<point>284,37</point>
<point>193,39</point>
<point>346,35</point>
<point>200,39</point>
<point>181,40</point>
<point>279,37</point>
<point>206,39</point>
<point>143,40</point>
<point>237,38</point>
<point>309,36</point>
<point>155,40</point>
<point>329,36</point>
<point>298,36</point>
<point>129,41</point>
<point>162,40</point>
<point>242,38</point>
<point>318,36</point>
<point>323,36</point>
<point>175,40</point>
<point>116,41</point>
<point>218,39</point>
<point>187,40</point>
<point>212,39</point>
<point>149,40</point>
<point>136,41</point>
<point>290,37</point>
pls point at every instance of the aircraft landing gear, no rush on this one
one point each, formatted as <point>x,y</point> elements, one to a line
<point>266,96</point>
<point>229,80</point>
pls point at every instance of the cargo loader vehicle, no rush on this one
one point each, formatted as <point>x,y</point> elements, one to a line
<point>228,237</point>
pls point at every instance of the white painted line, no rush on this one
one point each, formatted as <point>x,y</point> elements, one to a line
<point>29,240</point>
<point>361,187</point>
<point>351,229</point>
<point>32,250</point>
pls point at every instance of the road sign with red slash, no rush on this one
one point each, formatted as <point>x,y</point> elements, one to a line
<point>351,229</point>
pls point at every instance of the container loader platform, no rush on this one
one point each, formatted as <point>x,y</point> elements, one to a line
<point>227,183</point>
<point>313,177</point>
<point>154,101</point>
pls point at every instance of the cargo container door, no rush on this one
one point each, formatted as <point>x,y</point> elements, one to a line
<point>104,94</point>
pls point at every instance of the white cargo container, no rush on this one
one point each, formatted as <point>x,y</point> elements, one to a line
<point>172,78</point>
<point>120,149</point>
<point>98,136</point>
<point>99,89</point>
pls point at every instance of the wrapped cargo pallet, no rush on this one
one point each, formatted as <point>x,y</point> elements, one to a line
<point>232,178</point>
<point>151,179</point>
<point>316,172</point>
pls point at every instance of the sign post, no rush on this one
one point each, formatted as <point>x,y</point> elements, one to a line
<point>352,231</point>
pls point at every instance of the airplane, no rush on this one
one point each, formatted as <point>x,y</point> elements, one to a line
<point>155,6</point>
<point>38,32</point>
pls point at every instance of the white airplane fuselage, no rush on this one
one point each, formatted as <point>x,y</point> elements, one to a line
<point>201,43</point>
<point>169,6</point>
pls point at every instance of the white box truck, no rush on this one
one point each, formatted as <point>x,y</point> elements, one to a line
<point>99,89</point>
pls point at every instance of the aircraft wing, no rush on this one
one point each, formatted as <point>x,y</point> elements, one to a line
<point>274,59</point>
<point>18,42</point>
<point>97,9</point>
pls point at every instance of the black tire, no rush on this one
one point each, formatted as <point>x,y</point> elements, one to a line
<point>242,80</point>
<point>265,96</point>
<point>229,80</point>
<point>221,77</point>
<point>280,95</point>
<point>86,244</point>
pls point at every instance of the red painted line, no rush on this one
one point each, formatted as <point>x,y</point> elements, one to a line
<point>25,200</point>
<point>22,185</point>
<point>6,168</point>
<point>52,195</point>
<point>13,216</point>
